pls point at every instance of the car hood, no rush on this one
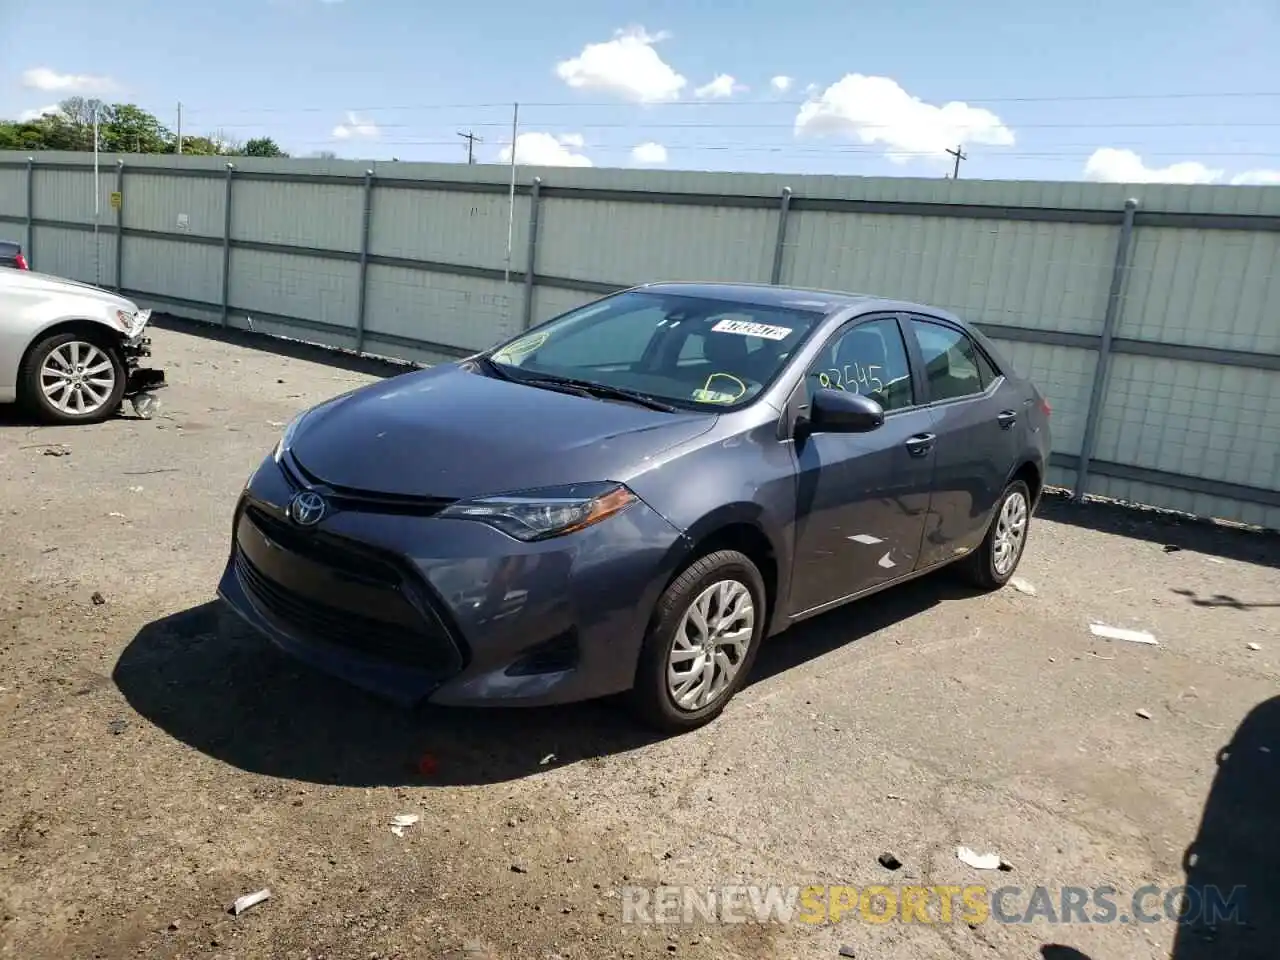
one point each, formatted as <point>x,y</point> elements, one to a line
<point>31,281</point>
<point>450,432</point>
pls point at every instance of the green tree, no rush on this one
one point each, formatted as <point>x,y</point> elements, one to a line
<point>127,128</point>
<point>263,147</point>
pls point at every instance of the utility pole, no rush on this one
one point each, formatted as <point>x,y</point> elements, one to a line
<point>179,126</point>
<point>959,154</point>
<point>472,140</point>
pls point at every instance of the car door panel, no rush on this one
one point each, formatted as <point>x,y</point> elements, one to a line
<point>976,415</point>
<point>862,499</point>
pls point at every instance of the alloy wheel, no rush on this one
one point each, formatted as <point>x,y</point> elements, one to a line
<point>710,645</point>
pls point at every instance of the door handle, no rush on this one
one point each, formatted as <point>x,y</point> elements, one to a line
<point>920,444</point>
<point>1006,419</point>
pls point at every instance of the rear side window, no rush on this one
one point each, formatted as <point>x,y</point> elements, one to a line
<point>954,365</point>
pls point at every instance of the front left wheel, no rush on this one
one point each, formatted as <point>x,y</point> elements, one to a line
<point>73,378</point>
<point>702,642</point>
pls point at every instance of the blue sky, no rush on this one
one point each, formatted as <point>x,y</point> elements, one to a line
<point>880,88</point>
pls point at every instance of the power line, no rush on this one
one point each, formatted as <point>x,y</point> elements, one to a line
<point>1064,98</point>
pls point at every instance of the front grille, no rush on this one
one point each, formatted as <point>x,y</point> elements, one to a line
<point>346,599</point>
<point>351,498</point>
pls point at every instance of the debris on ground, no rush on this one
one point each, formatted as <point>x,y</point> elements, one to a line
<point>116,514</point>
<point>1023,586</point>
<point>135,490</point>
<point>117,727</point>
<point>402,821</point>
<point>59,451</point>
<point>547,759</point>
<point>519,867</point>
<point>1144,714</point>
<point>982,861</point>
<point>1171,548</point>
<point>249,900</point>
<point>97,599</point>
<point>1120,633</point>
<point>889,861</point>
<point>847,952</point>
<point>1254,646</point>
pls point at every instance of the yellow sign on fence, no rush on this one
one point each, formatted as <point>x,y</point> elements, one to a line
<point>116,199</point>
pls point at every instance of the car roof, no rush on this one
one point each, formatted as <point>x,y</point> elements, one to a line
<point>769,295</point>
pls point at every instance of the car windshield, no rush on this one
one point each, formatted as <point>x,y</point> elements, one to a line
<point>687,351</point>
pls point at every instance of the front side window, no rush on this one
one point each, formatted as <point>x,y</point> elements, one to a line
<point>687,351</point>
<point>954,366</point>
<point>869,359</point>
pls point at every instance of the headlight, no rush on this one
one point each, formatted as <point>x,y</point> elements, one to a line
<point>286,438</point>
<point>540,514</point>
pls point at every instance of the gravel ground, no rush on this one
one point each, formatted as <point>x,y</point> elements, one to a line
<point>157,761</point>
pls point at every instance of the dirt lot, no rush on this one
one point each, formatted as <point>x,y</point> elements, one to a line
<point>156,761</point>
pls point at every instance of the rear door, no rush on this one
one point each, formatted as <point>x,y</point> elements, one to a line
<point>975,416</point>
<point>862,498</point>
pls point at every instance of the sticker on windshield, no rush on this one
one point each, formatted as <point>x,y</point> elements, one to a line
<point>747,328</point>
<point>707,395</point>
<point>713,396</point>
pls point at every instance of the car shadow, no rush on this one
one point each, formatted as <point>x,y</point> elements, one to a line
<point>1174,531</point>
<point>1233,864</point>
<point>293,349</point>
<point>214,684</point>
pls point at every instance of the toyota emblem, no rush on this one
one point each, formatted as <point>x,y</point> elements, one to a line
<point>307,509</point>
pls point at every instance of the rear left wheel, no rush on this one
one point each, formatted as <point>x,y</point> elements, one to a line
<point>993,564</point>
<point>704,639</point>
<point>73,378</point>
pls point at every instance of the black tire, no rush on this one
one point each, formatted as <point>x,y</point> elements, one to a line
<point>980,567</point>
<point>30,386</point>
<point>651,697</point>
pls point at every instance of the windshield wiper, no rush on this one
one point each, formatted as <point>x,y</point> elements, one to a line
<point>493,367</point>
<point>587,388</point>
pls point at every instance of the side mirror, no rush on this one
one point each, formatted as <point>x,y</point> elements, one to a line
<point>838,411</point>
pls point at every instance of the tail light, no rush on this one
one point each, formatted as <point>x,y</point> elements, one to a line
<point>20,261</point>
<point>1045,408</point>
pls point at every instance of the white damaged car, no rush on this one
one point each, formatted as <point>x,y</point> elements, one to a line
<point>71,352</point>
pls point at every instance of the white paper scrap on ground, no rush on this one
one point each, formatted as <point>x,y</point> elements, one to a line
<point>402,820</point>
<point>1119,633</point>
<point>249,900</point>
<point>1023,586</point>
<point>979,861</point>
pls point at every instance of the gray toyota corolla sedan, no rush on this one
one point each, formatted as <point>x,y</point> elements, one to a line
<point>633,495</point>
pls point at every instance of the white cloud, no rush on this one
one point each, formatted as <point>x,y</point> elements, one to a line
<point>356,128</point>
<point>878,110</point>
<point>37,113</point>
<point>721,87</point>
<point>627,66</point>
<point>538,149</point>
<point>1110,165</point>
<point>1257,178</point>
<point>42,78</point>
<point>781,84</point>
<point>649,154</point>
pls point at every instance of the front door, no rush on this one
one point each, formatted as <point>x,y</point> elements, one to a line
<point>863,498</point>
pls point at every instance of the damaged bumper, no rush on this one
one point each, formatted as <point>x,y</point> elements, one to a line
<point>136,349</point>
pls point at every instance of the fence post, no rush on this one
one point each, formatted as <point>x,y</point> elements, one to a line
<point>531,259</point>
<point>226,247</point>
<point>119,222</point>
<point>366,214</point>
<point>1100,369</point>
<point>784,208</point>
<point>31,212</point>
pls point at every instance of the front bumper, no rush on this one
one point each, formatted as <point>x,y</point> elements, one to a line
<point>140,379</point>
<point>449,611</point>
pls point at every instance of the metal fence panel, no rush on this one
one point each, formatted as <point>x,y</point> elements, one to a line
<point>1153,328</point>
